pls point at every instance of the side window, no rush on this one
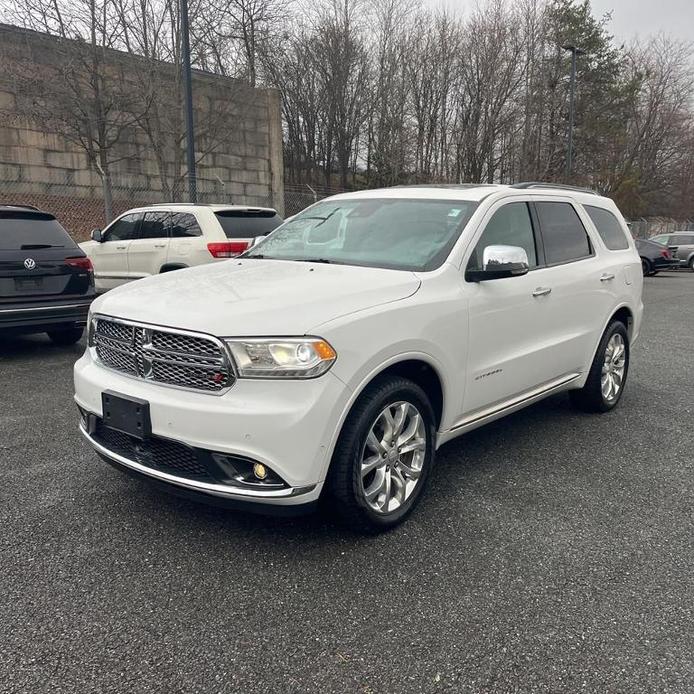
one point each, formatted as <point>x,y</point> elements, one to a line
<point>608,227</point>
<point>563,234</point>
<point>155,225</point>
<point>124,229</point>
<point>184,225</point>
<point>510,225</point>
<point>682,240</point>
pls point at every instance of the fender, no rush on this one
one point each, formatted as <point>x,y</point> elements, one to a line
<point>356,392</point>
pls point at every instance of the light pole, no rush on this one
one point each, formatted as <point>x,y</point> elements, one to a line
<point>575,51</point>
<point>188,100</point>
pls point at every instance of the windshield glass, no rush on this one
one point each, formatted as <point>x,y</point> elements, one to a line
<point>390,233</point>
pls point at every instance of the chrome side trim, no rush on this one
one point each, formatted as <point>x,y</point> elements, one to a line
<point>497,411</point>
<point>221,490</point>
<point>85,304</point>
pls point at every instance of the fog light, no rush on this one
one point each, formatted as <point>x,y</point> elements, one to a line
<point>260,471</point>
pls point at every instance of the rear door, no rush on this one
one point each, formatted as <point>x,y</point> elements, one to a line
<point>39,260</point>
<point>582,285</point>
<point>110,257</point>
<point>186,247</point>
<point>148,249</point>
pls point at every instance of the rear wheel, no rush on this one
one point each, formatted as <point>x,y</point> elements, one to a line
<point>691,263</point>
<point>646,267</point>
<point>608,372</point>
<point>384,455</point>
<point>66,336</point>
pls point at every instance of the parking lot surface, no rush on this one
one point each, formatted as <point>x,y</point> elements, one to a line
<point>554,553</point>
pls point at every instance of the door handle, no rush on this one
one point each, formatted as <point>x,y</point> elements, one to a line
<point>121,248</point>
<point>542,291</point>
<point>607,277</point>
<point>162,245</point>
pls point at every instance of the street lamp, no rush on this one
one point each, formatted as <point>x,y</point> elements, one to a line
<point>575,51</point>
<point>188,100</point>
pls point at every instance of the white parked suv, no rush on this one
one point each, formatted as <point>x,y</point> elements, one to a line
<point>334,357</point>
<point>150,240</point>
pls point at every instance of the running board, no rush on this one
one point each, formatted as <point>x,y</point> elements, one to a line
<point>489,414</point>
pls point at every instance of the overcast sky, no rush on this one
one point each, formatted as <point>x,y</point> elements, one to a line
<point>629,17</point>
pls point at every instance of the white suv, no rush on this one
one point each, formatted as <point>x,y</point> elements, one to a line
<point>336,356</point>
<point>150,240</point>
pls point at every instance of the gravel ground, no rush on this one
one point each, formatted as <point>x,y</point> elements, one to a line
<point>554,553</point>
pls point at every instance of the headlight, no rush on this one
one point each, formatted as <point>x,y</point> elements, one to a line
<point>282,357</point>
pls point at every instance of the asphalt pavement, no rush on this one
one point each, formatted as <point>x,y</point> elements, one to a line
<point>553,553</point>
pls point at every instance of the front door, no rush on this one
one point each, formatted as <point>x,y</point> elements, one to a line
<point>507,355</point>
<point>110,256</point>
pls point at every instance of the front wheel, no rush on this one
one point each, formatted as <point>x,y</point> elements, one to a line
<point>66,336</point>
<point>608,372</point>
<point>646,267</point>
<point>384,455</point>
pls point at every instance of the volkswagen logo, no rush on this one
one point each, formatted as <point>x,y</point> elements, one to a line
<point>29,263</point>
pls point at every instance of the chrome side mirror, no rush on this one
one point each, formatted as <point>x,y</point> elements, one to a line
<point>95,235</point>
<point>499,262</point>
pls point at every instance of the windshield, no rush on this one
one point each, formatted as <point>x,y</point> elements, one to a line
<point>389,233</point>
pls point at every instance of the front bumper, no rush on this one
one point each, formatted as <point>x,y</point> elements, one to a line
<point>289,426</point>
<point>44,315</point>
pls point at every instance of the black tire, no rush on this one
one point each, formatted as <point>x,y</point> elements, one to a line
<point>654,273</point>
<point>171,268</point>
<point>344,484</point>
<point>646,267</point>
<point>66,336</point>
<point>691,263</point>
<point>590,398</point>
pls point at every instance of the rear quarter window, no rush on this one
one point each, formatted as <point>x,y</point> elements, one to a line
<point>23,231</point>
<point>246,224</point>
<point>609,228</point>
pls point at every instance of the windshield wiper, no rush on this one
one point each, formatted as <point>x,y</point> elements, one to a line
<point>327,261</point>
<point>35,246</point>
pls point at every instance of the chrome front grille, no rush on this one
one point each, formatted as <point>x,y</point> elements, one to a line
<point>162,356</point>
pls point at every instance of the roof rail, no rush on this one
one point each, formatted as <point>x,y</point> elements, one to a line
<point>449,186</point>
<point>561,186</point>
<point>22,207</point>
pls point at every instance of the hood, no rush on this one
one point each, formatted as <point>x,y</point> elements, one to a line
<point>255,297</point>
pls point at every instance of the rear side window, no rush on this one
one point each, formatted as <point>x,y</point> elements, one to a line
<point>123,229</point>
<point>24,231</point>
<point>661,239</point>
<point>608,227</point>
<point>155,225</point>
<point>184,225</point>
<point>246,224</point>
<point>682,240</point>
<point>564,237</point>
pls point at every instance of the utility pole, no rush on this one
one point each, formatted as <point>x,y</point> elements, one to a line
<point>188,100</point>
<point>575,51</point>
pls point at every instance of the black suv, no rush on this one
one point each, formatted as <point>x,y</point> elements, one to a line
<point>46,280</point>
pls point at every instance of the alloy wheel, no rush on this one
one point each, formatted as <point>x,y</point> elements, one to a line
<point>613,368</point>
<point>393,457</point>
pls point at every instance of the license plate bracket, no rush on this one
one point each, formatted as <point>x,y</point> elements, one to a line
<point>126,414</point>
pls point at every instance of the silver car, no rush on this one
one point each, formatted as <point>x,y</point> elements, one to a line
<point>681,244</point>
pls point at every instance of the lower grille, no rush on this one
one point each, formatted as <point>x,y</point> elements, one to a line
<point>156,453</point>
